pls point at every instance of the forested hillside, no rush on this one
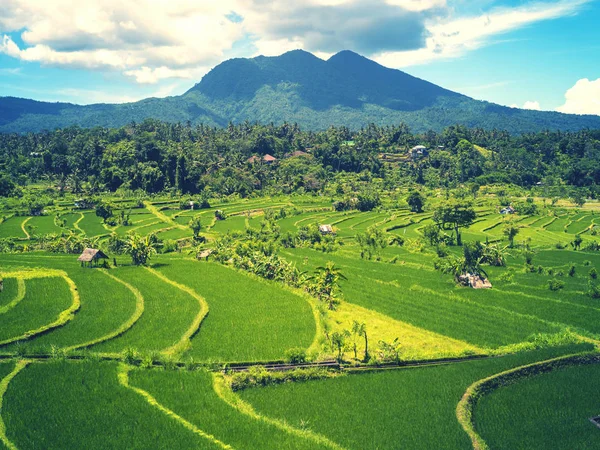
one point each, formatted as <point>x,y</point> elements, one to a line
<point>155,156</point>
<point>297,87</point>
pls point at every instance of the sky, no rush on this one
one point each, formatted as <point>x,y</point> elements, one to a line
<point>536,54</point>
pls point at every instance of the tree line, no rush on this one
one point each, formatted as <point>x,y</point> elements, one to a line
<point>155,156</point>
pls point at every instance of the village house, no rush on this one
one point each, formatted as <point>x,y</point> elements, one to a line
<point>418,152</point>
<point>267,159</point>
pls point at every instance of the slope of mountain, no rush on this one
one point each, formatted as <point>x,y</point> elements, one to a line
<point>347,89</point>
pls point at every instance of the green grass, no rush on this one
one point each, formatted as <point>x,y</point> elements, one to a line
<point>407,408</point>
<point>248,319</point>
<point>11,228</point>
<point>426,299</point>
<point>168,313</point>
<point>45,299</point>
<point>81,405</point>
<point>175,233</point>
<point>558,225</point>
<point>9,292</point>
<point>191,395</point>
<point>70,220</point>
<point>105,305</point>
<point>546,411</point>
<point>44,225</point>
<point>6,367</point>
<point>152,227</point>
<point>92,225</point>
<point>233,223</point>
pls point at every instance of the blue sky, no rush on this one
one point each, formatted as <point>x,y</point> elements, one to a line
<point>535,54</point>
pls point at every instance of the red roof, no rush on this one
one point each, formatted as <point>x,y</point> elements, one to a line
<point>269,158</point>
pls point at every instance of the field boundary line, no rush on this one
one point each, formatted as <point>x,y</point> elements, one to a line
<point>139,310</point>
<point>123,376</point>
<point>467,404</point>
<point>232,399</point>
<point>163,217</point>
<point>63,318</point>
<point>27,235</point>
<point>21,289</point>
<point>76,223</point>
<point>20,365</point>
<point>185,342</point>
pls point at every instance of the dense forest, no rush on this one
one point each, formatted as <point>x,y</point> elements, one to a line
<point>155,156</point>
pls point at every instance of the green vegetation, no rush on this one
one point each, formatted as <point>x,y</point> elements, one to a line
<point>191,395</point>
<point>413,408</point>
<point>83,402</point>
<point>168,313</point>
<point>236,293</point>
<point>45,299</point>
<point>248,320</point>
<point>545,403</point>
<point>296,87</point>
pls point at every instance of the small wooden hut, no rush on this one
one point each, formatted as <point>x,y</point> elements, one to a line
<point>204,254</point>
<point>91,256</point>
<point>326,229</point>
<point>475,281</point>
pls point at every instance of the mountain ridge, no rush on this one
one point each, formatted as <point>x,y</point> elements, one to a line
<point>347,89</point>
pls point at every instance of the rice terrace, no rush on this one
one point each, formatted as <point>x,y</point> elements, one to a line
<point>243,225</point>
<point>296,321</point>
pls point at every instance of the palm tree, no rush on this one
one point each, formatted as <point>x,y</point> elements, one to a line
<point>326,284</point>
<point>510,230</point>
<point>360,329</point>
<point>140,248</point>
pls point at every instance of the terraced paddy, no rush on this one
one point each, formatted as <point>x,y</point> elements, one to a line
<point>139,350</point>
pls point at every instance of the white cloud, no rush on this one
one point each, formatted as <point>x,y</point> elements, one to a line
<point>582,98</point>
<point>153,40</point>
<point>454,37</point>
<point>147,75</point>
<point>529,104</point>
<point>532,105</point>
<point>150,39</point>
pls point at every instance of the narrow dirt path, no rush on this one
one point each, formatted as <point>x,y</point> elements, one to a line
<point>76,223</point>
<point>163,217</point>
<point>24,228</point>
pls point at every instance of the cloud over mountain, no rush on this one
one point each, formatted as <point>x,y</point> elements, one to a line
<point>151,41</point>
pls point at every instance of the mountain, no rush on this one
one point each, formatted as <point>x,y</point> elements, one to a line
<point>348,89</point>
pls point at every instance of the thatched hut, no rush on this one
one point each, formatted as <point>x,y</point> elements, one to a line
<point>204,254</point>
<point>91,256</point>
<point>326,229</point>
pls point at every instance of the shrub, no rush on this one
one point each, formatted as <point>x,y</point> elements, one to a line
<point>593,273</point>
<point>555,285</point>
<point>572,270</point>
<point>259,376</point>
<point>507,276</point>
<point>295,355</point>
